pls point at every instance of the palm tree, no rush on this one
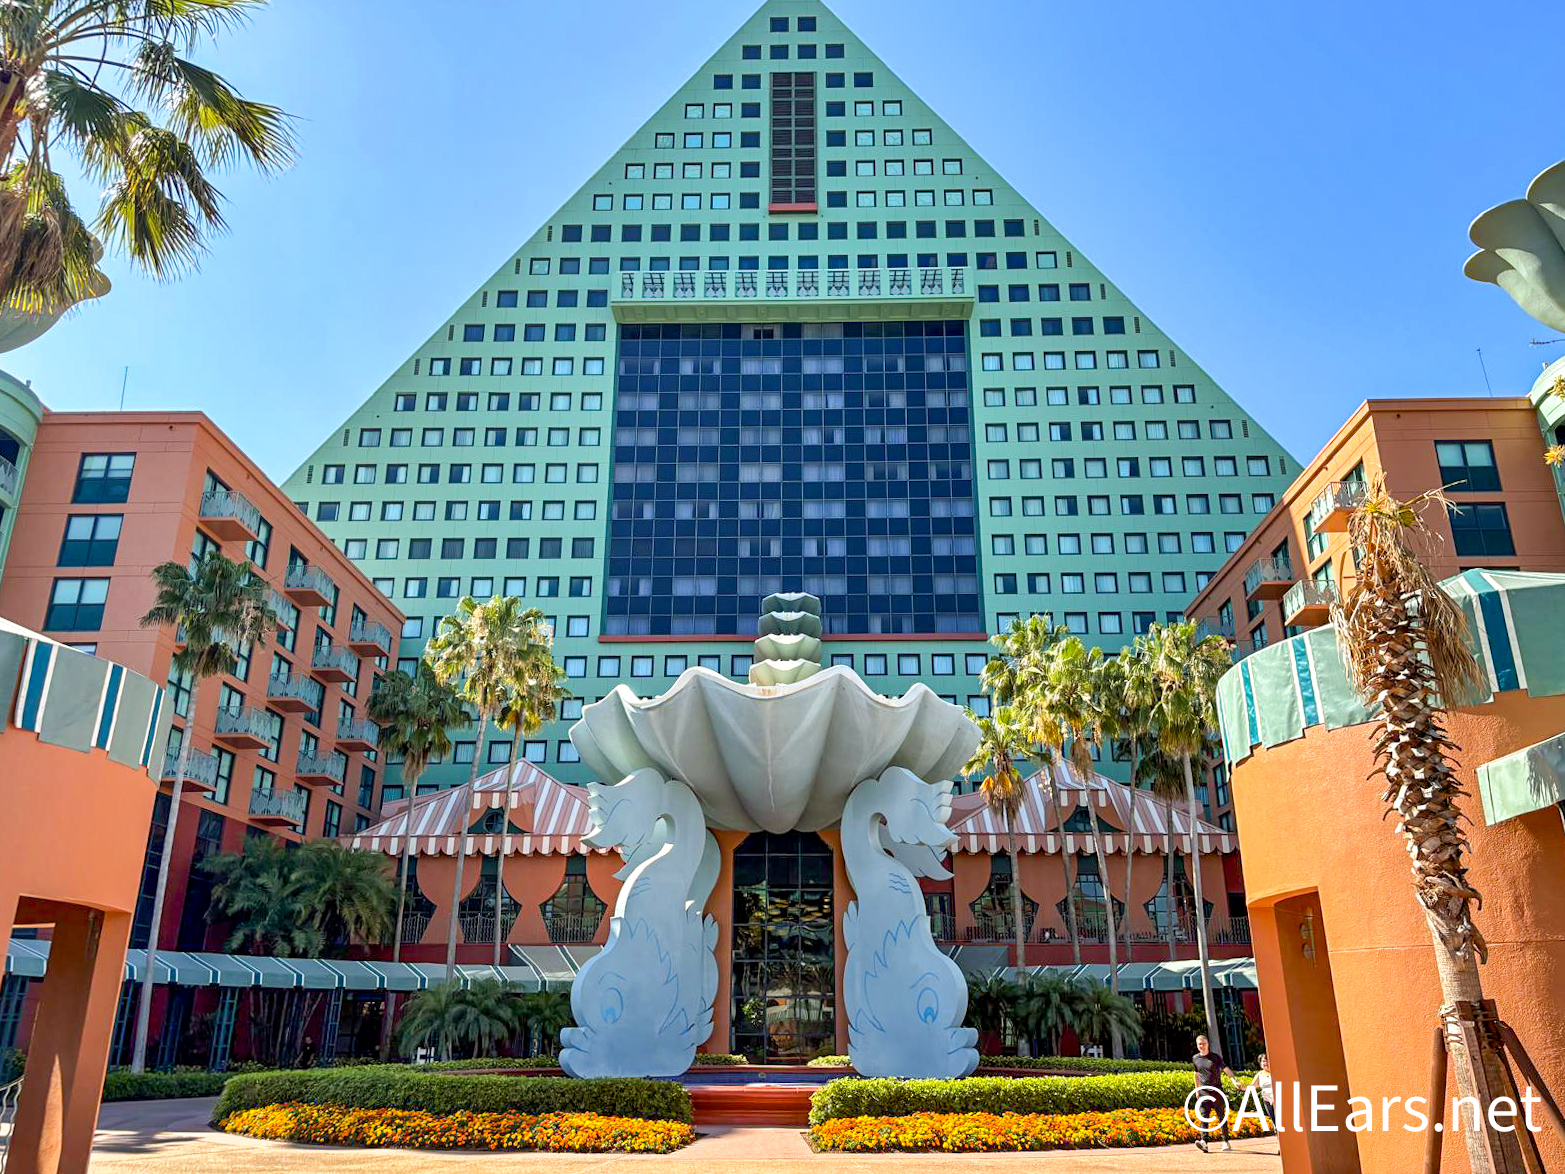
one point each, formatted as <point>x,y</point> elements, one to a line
<point>1187,669</point>
<point>223,608</point>
<point>492,648</point>
<point>1058,706</point>
<point>991,1003</point>
<point>1001,741</point>
<point>542,1015</point>
<point>1105,720</point>
<point>1046,1007</point>
<point>416,714</point>
<point>1163,775</point>
<point>534,702</point>
<point>111,84</point>
<point>1104,1014</point>
<point>349,894</point>
<point>447,1016</point>
<point>1406,647</point>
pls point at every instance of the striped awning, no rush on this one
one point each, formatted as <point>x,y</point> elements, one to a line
<point>1181,975</point>
<point>1276,693</point>
<point>1149,818</point>
<point>30,959</point>
<point>553,817</point>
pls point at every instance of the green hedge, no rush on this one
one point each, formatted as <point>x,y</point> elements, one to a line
<point>1082,1064</point>
<point>1000,1094</point>
<point>718,1060</point>
<point>157,1086</point>
<point>396,1087</point>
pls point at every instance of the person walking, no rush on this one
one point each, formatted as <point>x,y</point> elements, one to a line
<point>1264,1088</point>
<point>1210,1068</point>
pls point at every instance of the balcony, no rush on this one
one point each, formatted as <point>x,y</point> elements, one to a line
<point>230,516</point>
<point>476,927</point>
<point>1308,603</point>
<point>308,586</point>
<point>287,614</point>
<point>1234,932</point>
<point>413,926</point>
<point>362,734</point>
<point>1215,626</point>
<point>277,810</point>
<point>292,693</point>
<point>569,930</point>
<point>821,295</point>
<point>321,770</point>
<point>200,769</point>
<point>331,663</point>
<point>368,638</point>
<point>243,729</point>
<point>943,927</point>
<point>1268,578</point>
<point>10,479</point>
<point>1329,512</point>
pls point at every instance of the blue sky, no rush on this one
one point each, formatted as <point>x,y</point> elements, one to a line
<point>1284,188</point>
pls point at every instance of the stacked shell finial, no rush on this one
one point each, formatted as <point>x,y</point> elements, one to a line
<point>788,648</point>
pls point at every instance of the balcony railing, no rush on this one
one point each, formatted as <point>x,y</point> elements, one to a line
<point>230,515</point>
<point>477,927</point>
<point>200,768</point>
<point>9,478</point>
<point>368,638</point>
<point>294,693</point>
<point>1234,932</point>
<point>244,727</point>
<point>1215,626</point>
<point>334,663</point>
<point>358,734</point>
<point>792,284</point>
<point>413,926</point>
<point>308,586</point>
<point>285,611</point>
<point>285,808</point>
<point>1329,512</point>
<point>567,929</point>
<point>321,768</point>
<point>943,926</point>
<point>1308,602</point>
<point>1268,578</point>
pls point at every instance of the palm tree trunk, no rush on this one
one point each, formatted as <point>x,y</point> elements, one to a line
<point>505,838</point>
<point>1016,896</point>
<point>1168,886</point>
<point>1130,845</point>
<point>1108,914</point>
<point>461,858</point>
<point>1200,911</point>
<point>1065,872</point>
<point>138,1056</point>
<point>410,783</point>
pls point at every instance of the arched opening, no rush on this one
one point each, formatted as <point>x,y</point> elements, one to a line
<point>1091,919</point>
<point>477,911</point>
<point>574,912</point>
<point>417,908</point>
<point>993,919</point>
<point>784,968</point>
<point>1182,908</point>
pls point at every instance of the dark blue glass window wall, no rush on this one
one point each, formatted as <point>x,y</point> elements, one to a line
<point>834,458</point>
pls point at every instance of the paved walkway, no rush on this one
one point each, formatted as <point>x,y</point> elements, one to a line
<point>172,1137</point>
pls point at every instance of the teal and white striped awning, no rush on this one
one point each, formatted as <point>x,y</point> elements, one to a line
<point>30,959</point>
<point>1276,693</point>
<point>1181,975</point>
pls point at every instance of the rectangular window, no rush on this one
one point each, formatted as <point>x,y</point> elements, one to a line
<point>1467,466</point>
<point>91,540</point>
<point>104,478</point>
<point>76,605</point>
<point>1477,529</point>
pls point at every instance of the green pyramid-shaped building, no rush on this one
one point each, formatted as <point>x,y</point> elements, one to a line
<point>794,335</point>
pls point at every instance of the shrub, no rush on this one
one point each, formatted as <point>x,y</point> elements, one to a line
<point>413,1129</point>
<point>396,1087</point>
<point>1082,1064</point>
<point>488,1063</point>
<point>155,1086</point>
<point>853,1097</point>
<point>717,1060</point>
<point>970,1132</point>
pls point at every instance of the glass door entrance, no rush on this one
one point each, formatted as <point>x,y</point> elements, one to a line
<point>784,974</point>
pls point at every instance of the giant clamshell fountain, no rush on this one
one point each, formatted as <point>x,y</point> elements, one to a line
<point>800,747</point>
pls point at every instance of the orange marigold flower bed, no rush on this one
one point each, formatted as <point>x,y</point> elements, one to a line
<point>979,1132</point>
<point>415,1129</point>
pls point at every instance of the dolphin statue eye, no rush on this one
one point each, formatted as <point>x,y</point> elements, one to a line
<point>928,1004</point>
<point>613,1005</point>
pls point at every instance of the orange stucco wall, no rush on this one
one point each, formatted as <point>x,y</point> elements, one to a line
<point>1314,842</point>
<point>66,862</point>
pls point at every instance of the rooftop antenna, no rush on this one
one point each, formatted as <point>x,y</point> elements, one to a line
<point>124,379</point>
<point>1485,368</point>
